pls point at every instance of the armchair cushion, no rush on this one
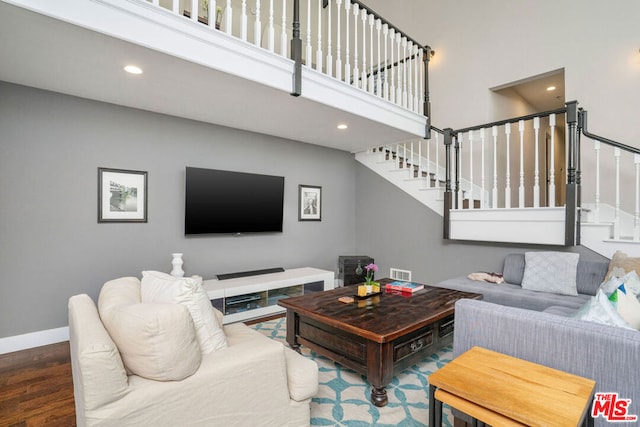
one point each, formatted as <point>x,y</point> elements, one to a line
<point>163,288</point>
<point>156,341</point>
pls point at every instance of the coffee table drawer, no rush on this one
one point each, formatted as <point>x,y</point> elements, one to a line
<point>412,345</point>
<point>336,341</point>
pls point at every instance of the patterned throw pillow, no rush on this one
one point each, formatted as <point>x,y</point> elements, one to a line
<point>628,307</point>
<point>600,309</point>
<point>621,264</point>
<point>553,272</point>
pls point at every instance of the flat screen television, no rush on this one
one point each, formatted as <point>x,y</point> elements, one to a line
<point>219,201</point>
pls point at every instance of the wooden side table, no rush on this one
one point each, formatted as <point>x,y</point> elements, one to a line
<point>502,390</point>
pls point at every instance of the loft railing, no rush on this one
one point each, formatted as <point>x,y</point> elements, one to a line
<point>512,163</point>
<point>342,39</point>
<point>526,152</point>
<point>626,176</point>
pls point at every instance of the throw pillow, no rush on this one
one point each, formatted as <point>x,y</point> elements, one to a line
<point>628,308</point>
<point>161,287</point>
<point>621,264</point>
<point>553,272</point>
<point>155,341</point>
<point>600,310</point>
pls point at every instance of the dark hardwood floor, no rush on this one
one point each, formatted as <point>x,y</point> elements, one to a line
<point>36,388</point>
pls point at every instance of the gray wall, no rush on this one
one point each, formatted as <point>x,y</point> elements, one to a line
<point>51,246</point>
<point>398,231</point>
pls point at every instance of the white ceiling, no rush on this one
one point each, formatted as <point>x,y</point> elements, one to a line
<point>46,53</point>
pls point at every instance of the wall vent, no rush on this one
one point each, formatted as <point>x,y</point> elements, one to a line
<point>397,274</point>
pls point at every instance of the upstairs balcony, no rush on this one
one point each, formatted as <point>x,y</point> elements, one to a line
<point>349,65</point>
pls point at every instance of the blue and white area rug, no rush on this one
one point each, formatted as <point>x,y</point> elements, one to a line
<point>343,395</point>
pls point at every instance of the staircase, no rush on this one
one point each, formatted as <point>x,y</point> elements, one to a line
<point>476,215</point>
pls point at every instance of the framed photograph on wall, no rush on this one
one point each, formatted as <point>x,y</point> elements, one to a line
<point>122,195</point>
<point>309,203</point>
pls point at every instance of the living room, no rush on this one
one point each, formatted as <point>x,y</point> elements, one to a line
<point>53,144</point>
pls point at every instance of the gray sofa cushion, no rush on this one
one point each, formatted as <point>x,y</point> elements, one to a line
<point>589,276</point>
<point>513,295</point>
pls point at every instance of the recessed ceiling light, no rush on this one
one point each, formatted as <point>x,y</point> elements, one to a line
<point>342,126</point>
<point>133,69</point>
<point>551,88</point>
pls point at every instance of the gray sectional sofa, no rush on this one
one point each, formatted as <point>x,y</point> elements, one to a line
<point>526,324</point>
<point>590,275</point>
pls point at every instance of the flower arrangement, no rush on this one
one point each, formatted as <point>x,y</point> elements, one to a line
<point>371,269</point>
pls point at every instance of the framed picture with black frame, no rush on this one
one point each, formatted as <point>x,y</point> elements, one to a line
<point>309,203</point>
<point>122,195</point>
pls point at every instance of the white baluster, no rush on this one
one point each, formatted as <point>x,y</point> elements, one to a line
<point>636,218</point>
<point>329,68</point>
<point>392,86</point>
<point>257,26</point>
<point>482,180</point>
<point>156,2</point>
<point>398,84</point>
<point>471,204</point>
<point>243,21</point>
<point>404,72</point>
<point>416,66</point>
<point>194,10</point>
<point>428,148</point>
<point>212,13</point>
<point>460,192</point>
<point>596,216</point>
<point>379,69</point>
<point>408,67</point>
<point>536,171</point>
<point>552,173</point>
<point>419,159</point>
<point>356,70</point>
<point>228,17</point>
<point>404,162</point>
<point>371,78</point>
<point>319,50</point>
<point>412,161</point>
<point>521,188</point>
<point>309,53</point>
<point>271,32</point>
<point>338,49</point>
<point>363,17</point>
<point>283,34</point>
<point>616,219</point>
<point>385,34</point>
<point>437,174</point>
<point>347,64</point>
<point>397,156</point>
<point>176,6</point>
<point>507,189</point>
<point>494,193</point>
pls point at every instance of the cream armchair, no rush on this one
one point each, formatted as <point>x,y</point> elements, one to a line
<point>254,381</point>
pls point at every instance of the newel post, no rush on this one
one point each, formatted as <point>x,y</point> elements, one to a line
<point>572,211</point>
<point>296,50</point>
<point>448,196</point>
<point>426,57</point>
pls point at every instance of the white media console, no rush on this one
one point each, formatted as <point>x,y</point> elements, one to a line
<point>245,298</point>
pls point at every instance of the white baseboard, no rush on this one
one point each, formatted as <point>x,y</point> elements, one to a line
<point>33,339</point>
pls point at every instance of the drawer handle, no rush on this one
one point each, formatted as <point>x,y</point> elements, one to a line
<point>416,345</point>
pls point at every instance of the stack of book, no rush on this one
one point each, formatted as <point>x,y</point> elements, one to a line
<point>404,287</point>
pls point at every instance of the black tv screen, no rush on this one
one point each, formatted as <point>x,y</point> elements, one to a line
<point>219,201</point>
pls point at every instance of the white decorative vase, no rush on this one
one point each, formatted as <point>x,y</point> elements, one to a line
<point>177,265</point>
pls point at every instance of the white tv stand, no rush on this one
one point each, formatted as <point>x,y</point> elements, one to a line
<point>245,298</point>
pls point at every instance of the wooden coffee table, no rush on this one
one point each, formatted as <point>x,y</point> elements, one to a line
<point>376,335</point>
